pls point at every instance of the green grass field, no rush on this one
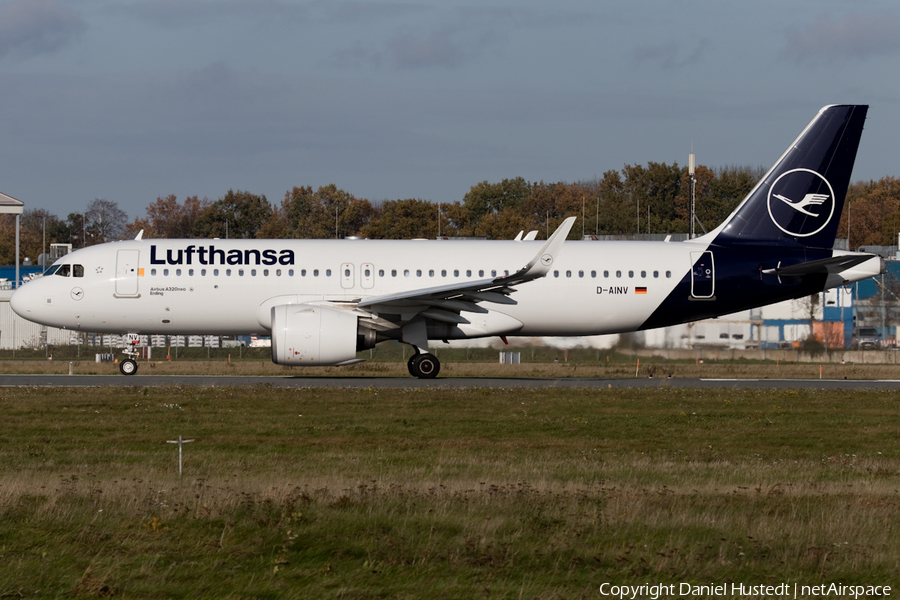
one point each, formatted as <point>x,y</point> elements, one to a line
<point>389,360</point>
<point>389,493</point>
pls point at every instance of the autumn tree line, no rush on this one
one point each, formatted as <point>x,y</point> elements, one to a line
<point>636,199</point>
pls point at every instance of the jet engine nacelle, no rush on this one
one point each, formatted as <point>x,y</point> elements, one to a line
<point>306,335</point>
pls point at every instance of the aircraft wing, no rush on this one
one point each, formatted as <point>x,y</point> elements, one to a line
<point>444,303</point>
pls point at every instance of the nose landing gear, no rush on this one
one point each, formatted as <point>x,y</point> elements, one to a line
<point>128,365</point>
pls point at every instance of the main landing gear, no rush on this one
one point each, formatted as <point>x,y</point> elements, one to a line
<point>424,366</point>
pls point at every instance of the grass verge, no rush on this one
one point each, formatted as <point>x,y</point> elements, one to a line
<point>366,493</point>
<point>621,368</point>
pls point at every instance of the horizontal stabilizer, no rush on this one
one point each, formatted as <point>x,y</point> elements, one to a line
<point>824,266</point>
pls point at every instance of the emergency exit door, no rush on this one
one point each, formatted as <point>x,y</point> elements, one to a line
<point>703,275</point>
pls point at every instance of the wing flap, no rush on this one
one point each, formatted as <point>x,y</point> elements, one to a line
<point>444,316</point>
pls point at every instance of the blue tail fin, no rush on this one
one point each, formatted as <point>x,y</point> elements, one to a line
<point>800,199</point>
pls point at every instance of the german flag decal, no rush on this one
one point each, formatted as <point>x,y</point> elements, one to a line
<point>640,290</point>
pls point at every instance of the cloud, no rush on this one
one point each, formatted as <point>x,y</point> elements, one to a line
<point>176,13</point>
<point>33,27</point>
<point>443,48</point>
<point>353,11</point>
<point>670,55</point>
<point>356,57</point>
<point>851,37</point>
<point>434,36</point>
<point>452,38</point>
<point>447,47</point>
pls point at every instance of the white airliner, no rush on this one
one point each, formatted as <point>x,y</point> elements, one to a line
<point>322,301</point>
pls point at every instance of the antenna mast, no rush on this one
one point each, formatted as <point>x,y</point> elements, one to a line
<point>691,163</point>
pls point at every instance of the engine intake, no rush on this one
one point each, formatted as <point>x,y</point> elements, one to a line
<point>306,335</point>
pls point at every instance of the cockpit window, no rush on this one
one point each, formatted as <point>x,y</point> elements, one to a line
<point>67,270</point>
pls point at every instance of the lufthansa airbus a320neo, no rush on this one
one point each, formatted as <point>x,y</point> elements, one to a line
<point>323,301</point>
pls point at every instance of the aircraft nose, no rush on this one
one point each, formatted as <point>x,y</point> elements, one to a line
<point>25,301</point>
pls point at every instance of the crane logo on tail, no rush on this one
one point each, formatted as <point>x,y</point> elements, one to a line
<point>801,202</point>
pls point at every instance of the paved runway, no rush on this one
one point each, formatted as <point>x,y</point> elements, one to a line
<point>449,382</point>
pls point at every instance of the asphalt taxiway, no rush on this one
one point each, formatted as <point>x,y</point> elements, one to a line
<point>447,383</point>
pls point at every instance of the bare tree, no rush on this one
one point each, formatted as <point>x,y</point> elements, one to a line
<point>104,221</point>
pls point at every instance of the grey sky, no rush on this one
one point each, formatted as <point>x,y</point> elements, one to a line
<point>130,100</point>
